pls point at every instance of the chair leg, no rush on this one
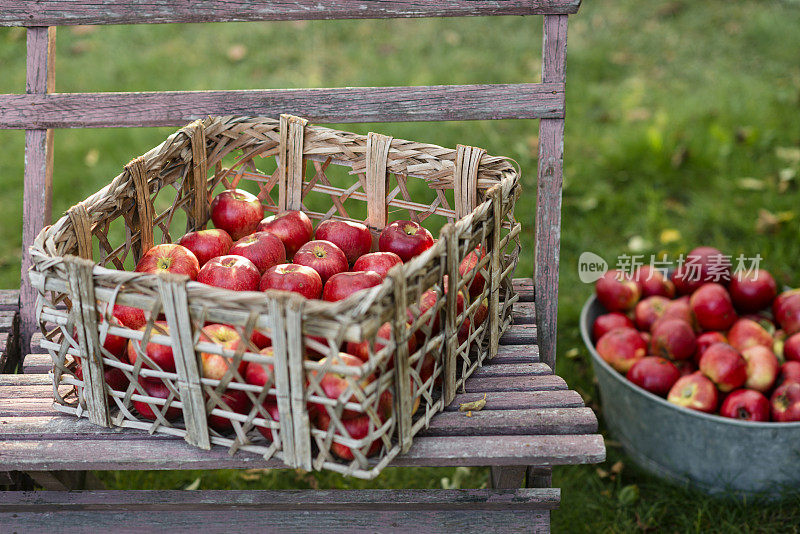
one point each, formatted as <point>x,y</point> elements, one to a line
<point>508,477</point>
<point>539,477</point>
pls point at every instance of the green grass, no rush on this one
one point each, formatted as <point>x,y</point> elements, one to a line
<point>682,116</point>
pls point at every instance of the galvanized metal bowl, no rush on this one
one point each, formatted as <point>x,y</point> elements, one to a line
<point>713,453</point>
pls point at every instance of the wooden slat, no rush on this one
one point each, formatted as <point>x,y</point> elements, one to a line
<point>516,354</point>
<point>104,454</point>
<point>67,12</point>
<point>339,105</point>
<point>548,192</point>
<point>529,422</point>
<point>522,334</point>
<point>512,369</point>
<point>524,288</point>
<point>515,383</point>
<point>277,520</point>
<point>38,179</point>
<point>513,400</point>
<point>507,477</point>
<point>9,299</point>
<point>311,500</point>
<point>524,313</point>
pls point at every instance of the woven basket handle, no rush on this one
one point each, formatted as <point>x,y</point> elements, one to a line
<point>290,161</point>
<point>377,159</point>
<point>82,225</point>
<point>465,179</point>
<point>143,222</point>
<point>199,178</point>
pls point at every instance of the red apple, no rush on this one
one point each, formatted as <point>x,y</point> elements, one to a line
<point>621,348</point>
<point>170,258</point>
<point>113,376</point>
<point>787,313</point>
<point>379,262</point>
<point>382,337</point>
<point>161,355</point>
<point>616,292</point>
<point>154,387</point>
<point>336,385</point>
<point>237,212</point>
<point>342,285</point>
<point>357,428</point>
<point>271,407</point>
<point>724,366</point>
<point>260,340</point>
<point>785,402</point>
<point>712,307</point>
<point>790,372</point>
<point>237,401</point>
<point>678,309</point>
<point>762,368</point>
<point>702,265</point>
<point>746,333</point>
<point>609,321</point>
<point>673,339</point>
<point>649,310</point>
<point>353,238</point>
<point>292,227</point>
<point>696,392</point>
<point>259,374</point>
<point>685,367</point>
<point>207,244</point>
<point>469,265</point>
<point>791,348</point>
<point>777,304</point>
<point>705,340</point>
<point>133,318</point>
<point>752,291</point>
<point>406,239</point>
<point>745,404</point>
<point>654,374</point>
<point>214,366</point>
<point>481,312</point>
<point>651,282</point>
<point>262,248</point>
<point>230,272</point>
<point>322,256</point>
<point>293,277</point>
<point>116,345</point>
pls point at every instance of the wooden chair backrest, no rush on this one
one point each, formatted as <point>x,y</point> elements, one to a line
<point>41,109</point>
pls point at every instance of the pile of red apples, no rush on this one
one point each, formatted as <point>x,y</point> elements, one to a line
<point>248,252</point>
<point>705,338</point>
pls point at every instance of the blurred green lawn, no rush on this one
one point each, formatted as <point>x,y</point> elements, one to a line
<point>683,128</point>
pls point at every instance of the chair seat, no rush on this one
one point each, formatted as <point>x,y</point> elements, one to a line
<point>531,417</point>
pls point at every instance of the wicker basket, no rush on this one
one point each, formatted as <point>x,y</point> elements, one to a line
<point>79,270</point>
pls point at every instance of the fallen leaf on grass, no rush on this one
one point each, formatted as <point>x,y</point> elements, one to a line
<point>750,184</point>
<point>769,222</point>
<point>669,235</point>
<point>788,153</point>
<point>237,52</point>
<point>473,406</point>
<point>194,485</point>
<point>617,468</point>
<point>628,495</point>
<point>572,353</point>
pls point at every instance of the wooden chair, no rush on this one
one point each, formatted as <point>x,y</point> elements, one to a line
<point>531,421</point>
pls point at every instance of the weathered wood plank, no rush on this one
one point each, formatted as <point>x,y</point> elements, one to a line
<point>66,480</point>
<point>177,500</point>
<point>512,369</point>
<point>539,477</point>
<point>515,383</point>
<point>149,453</point>
<point>68,12</point>
<point>530,422</point>
<point>9,299</point>
<point>339,105</point>
<point>548,192</point>
<point>520,334</point>
<point>516,354</point>
<point>37,363</point>
<point>524,313</point>
<point>511,400</point>
<point>38,177</point>
<point>524,288</point>
<point>300,521</point>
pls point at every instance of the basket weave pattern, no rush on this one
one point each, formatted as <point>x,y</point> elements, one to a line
<point>79,272</point>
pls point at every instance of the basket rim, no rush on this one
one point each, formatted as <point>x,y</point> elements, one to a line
<point>42,260</point>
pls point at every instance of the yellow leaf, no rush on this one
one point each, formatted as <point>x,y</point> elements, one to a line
<point>669,235</point>
<point>473,406</point>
